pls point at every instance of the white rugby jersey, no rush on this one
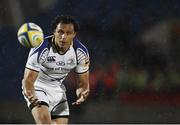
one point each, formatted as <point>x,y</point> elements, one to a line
<point>53,66</point>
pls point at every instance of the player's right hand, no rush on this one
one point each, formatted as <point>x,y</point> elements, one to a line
<point>32,98</point>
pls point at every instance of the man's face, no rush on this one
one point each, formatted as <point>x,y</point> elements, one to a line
<point>64,34</point>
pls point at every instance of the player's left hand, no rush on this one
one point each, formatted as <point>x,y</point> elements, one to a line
<point>82,96</point>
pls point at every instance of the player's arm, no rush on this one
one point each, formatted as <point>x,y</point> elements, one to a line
<point>28,85</point>
<point>82,70</point>
<point>83,88</point>
<point>35,58</point>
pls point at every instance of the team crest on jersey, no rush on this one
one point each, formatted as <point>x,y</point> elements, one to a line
<point>71,61</point>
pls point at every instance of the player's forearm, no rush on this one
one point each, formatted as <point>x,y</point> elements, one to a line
<point>83,81</point>
<point>84,85</point>
<point>28,82</point>
<point>83,89</point>
<point>28,87</point>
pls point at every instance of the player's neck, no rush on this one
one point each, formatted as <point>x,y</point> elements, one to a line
<point>62,50</point>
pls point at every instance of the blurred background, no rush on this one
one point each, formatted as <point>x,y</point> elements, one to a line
<point>135,58</point>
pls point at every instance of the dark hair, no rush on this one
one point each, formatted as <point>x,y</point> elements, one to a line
<point>65,19</point>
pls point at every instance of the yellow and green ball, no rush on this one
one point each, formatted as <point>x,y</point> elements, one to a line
<point>30,35</point>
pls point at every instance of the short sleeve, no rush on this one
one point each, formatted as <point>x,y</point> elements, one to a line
<point>38,55</point>
<point>32,61</point>
<point>82,61</point>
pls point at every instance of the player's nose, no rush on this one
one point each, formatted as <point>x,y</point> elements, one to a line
<point>64,36</point>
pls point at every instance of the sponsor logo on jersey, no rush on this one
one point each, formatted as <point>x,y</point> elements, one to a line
<point>71,61</point>
<point>51,58</point>
<point>60,63</point>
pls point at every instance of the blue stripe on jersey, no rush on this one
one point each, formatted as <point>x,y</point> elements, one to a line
<point>45,45</point>
<point>77,44</point>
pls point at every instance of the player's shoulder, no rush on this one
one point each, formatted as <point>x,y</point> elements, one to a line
<point>45,45</point>
<point>42,50</point>
<point>79,47</point>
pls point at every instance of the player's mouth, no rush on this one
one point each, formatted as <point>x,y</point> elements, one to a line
<point>62,43</point>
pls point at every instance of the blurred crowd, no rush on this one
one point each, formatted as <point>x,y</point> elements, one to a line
<point>133,45</point>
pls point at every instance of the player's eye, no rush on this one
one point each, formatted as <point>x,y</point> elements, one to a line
<point>68,33</point>
<point>60,31</point>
